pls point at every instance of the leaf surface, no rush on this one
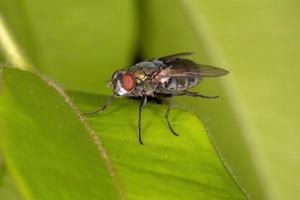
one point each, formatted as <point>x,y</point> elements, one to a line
<point>49,151</point>
<point>166,166</point>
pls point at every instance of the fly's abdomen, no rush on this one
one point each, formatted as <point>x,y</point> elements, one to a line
<point>180,83</point>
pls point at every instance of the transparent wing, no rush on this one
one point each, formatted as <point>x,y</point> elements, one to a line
<point>210,71</point>
<point>176,66</point>
<point>186,67</point>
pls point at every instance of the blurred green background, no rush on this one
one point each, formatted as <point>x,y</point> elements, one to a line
<point>79,44</point>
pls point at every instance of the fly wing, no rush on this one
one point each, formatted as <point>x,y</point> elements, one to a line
<point>180,67</point>
<point>210,71</point>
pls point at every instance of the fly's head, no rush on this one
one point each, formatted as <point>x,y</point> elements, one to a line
<point>123,83</point>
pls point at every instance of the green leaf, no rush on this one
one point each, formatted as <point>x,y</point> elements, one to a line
<point>258,42</point>
<point>49,151</point>
<point>52,156</point>
<point>77,43</point>
<point>166,166</point>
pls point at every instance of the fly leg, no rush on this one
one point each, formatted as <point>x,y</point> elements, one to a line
<point>142,105</point>
<point>167,115</point>
<point>103,107</point>
<point>195,94</point>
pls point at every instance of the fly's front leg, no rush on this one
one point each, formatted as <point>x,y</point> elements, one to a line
<point>167,116</point>
<point>142,105</point>
<point>103,107</point>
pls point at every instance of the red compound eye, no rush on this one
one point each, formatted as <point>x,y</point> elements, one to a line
<point>128,82</point>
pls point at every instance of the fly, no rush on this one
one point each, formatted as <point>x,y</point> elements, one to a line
<point>167,76</point>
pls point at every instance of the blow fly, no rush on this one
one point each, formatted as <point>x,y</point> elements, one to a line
<point>167,76</point>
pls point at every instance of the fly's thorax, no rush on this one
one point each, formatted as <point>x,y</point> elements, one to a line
<point>139,76</point>
<point>144,82</point>
<point>143,73</point>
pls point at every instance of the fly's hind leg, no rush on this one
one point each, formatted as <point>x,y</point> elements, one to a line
<point>103,107</point>
<point>167,116</point>
<point>195,94</point>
